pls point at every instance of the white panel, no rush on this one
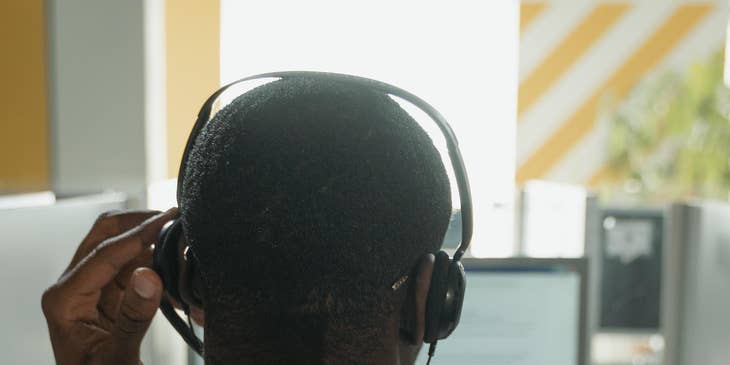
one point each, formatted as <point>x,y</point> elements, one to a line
<point>36,245</point>
<point>461,57</point>
<point>553,220</point>
<point>155,90</point>
<point>97,96</point>
<point>40,199</point>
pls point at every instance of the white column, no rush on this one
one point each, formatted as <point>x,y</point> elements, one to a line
<point>106,76</point>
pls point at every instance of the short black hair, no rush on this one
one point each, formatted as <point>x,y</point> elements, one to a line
<point>304,200</point>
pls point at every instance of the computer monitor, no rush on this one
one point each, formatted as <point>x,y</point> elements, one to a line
<point>520,311</point>
<point>695,295</point>
<point>629,266</point>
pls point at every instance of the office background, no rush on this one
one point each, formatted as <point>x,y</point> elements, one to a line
<point>559,109</point>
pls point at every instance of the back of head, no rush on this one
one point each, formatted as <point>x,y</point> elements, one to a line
<point>304,200</point>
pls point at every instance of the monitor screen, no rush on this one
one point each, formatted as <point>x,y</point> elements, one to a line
<point>630,266</point>
<point>517,312</point>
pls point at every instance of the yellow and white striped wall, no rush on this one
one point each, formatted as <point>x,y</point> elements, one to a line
<point>575,53</point>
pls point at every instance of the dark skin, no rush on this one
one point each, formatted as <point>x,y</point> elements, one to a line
<point>102,305</point>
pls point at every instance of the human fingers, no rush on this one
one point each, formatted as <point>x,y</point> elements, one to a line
<point>109,224</point>
<point>141,300</point>
<point>113,293</point>
<point>105,261</point>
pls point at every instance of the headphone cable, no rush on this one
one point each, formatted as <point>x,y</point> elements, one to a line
<point>431,350</point>
<point>190,324</point>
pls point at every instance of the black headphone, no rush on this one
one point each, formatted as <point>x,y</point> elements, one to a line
<point>448,283</point>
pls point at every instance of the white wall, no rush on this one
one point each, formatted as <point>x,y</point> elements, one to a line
<point>459,56</point>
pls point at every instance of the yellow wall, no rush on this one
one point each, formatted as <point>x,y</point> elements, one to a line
<point>24,164</point>
<point>193,67</point>
<point>192,51</point>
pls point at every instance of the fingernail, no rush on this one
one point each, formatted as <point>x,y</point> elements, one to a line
<point>144,286</point>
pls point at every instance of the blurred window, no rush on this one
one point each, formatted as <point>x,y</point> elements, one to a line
<point>461,57</point>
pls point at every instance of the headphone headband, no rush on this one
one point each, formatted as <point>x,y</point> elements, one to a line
<point>452,143</point>
<point>445,297</point>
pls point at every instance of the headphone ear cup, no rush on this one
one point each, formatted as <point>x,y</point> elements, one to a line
<point>165,256</point>
<point>453,299</point>
<point>190,284</point>
<point>436,296</point>
<point>164,262</point>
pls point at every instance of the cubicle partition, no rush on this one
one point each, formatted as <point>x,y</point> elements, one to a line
<point>696,286</point>
<point>37,240</point>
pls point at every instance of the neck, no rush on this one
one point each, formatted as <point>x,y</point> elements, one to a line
<point>215,355</point>
<point>389,350</point>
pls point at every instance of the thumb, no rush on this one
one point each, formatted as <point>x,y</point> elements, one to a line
<point>141,299</point>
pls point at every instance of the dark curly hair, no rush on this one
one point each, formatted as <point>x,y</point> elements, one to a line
<point>304,200</point>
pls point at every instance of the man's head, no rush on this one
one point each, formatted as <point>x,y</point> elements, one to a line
<point>304,201</point>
